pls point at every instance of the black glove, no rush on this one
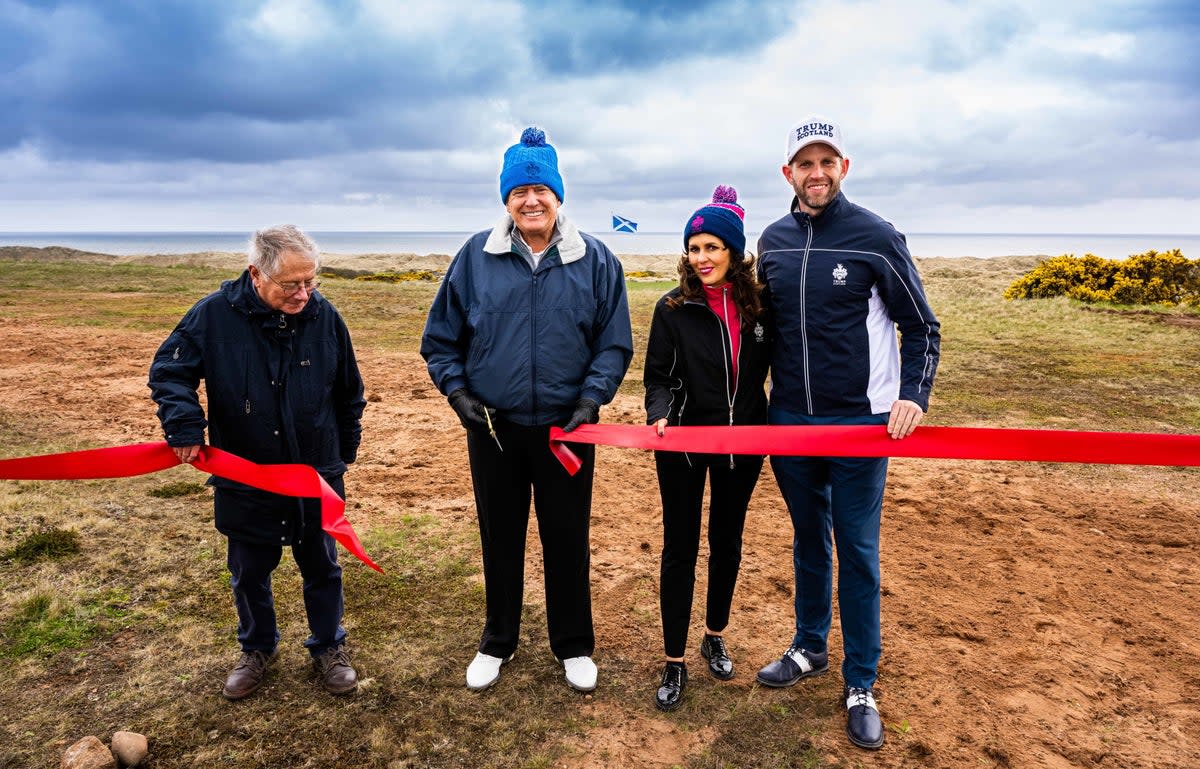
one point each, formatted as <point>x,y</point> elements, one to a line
<point>470,410</point>
<point>587,412</point>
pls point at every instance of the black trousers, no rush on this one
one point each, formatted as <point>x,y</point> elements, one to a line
<point>504,482</point>
<point>681,483</point>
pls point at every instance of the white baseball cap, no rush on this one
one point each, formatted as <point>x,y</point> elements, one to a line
<point>811,130</point>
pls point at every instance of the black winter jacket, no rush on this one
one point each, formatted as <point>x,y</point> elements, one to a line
<point>687,375</point>
<point>280,388</point>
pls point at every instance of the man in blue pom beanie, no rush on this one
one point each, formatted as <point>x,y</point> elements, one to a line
<point>530,328</point>
<point>843,284</point>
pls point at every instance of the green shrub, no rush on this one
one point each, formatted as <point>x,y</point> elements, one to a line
<point>401,277</point>
<point>1167,278</point>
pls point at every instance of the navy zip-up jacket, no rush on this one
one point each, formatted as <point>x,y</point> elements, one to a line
<point>280,388</point>
<point>840,285</point>
<point>530,343</point>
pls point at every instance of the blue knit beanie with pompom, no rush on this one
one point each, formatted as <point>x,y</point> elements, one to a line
<point>722,217</point>
<point>530,161</point>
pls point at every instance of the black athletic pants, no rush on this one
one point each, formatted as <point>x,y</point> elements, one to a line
<point>681,483</point>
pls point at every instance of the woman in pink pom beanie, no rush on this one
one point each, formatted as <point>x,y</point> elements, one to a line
<point>706,362</point>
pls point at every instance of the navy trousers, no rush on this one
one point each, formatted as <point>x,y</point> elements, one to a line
<point>504,483</point>
<point>835,499</point>
<point>315,552</point>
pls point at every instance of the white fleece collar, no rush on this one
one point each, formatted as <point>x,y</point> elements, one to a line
<point>570,249</point>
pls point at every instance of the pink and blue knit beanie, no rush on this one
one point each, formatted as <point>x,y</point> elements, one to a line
<point>722,217</point>
<point>530,161</point>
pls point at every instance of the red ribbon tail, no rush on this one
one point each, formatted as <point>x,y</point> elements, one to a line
<point>567,458</point>
<point>333,521</point>
<point>290,480</point>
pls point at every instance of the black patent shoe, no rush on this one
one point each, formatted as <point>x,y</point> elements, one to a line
<point>674,680</point>
<point>712,648</point>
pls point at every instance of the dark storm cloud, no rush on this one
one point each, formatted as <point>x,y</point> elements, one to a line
<point>585,37</point>
<point>125,80</point>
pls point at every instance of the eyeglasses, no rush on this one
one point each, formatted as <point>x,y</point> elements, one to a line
<point>292,286</point>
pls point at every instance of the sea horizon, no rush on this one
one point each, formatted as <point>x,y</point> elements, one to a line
<point>921,244</point>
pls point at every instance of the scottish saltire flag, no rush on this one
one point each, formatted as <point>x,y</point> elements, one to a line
<point>621,224</point>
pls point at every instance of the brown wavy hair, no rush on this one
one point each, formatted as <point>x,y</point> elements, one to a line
<point>741,275</point>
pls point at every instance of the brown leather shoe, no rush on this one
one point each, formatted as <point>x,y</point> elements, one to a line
<point>336,671</point>
<point>247,675</point>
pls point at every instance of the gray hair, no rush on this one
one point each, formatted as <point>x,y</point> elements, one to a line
<point>267,244</point>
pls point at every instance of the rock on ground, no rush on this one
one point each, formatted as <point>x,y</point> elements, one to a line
<point>129,748</point>
<point>88,753</point>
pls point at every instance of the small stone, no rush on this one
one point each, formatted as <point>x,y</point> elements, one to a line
<point>129,748</point>
<point>88,753</point>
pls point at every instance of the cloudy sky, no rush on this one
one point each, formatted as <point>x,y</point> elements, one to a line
<point>980,116</point>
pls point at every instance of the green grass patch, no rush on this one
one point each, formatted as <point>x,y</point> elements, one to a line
<point>47,623</point>
<point>176,489</point>
<point>46,543</point>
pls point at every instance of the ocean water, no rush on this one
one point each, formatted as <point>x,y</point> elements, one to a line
<point>667,243</point>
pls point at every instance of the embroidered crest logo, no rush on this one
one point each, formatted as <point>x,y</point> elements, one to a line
<point>758,332</point>
<point>839,275</point>
<point>697,223</point>
<point>532,169</point>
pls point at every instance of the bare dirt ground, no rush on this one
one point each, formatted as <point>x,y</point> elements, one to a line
<point>1033,615</point>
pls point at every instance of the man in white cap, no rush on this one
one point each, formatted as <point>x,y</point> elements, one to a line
<point>840,282</point>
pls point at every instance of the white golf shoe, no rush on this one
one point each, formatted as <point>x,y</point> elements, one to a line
<point>581,673</point>
<point>484,671</point>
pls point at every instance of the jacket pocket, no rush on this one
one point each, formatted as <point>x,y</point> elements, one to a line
<point>315,366</point>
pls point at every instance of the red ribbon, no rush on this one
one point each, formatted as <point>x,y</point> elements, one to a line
<point>873,441</point>
<point>143,458</point>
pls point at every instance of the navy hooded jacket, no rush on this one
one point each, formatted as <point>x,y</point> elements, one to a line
<point>280,388</point>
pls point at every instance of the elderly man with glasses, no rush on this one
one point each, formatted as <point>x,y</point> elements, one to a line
<point>282,386</point>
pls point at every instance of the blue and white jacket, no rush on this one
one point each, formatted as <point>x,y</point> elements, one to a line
<point>839,286</point>
<point>530,342</point>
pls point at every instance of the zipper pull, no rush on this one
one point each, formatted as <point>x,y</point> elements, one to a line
<point>247,405</point>
<point>731,425</point>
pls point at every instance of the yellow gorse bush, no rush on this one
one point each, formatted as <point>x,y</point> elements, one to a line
<point>1167,278</point>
